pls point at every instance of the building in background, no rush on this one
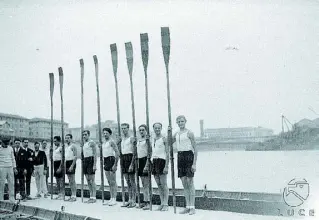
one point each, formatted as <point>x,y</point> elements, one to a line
<point>5,129</point>
<point>255,134</point>
<point>40,128</point>
<point>19,124</point>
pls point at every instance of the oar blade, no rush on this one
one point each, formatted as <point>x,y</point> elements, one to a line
<point>144,49</point>
<point>51,77</point>
<point>166,43</point>
<point>129,56</point>
<point>61,78</point>
<point>113,48</point>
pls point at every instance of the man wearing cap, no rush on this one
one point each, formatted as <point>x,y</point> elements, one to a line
<point>7,169</point>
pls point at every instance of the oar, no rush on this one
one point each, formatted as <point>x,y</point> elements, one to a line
<point>82,124</point>
<point>166,46</point>
<point>114,64</point>
<point>51,76</point>
<point>144,50</point>
<point>96,64</point>
<point>129,59</point>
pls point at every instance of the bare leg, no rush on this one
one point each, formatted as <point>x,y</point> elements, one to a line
<point>160,188</point>
<point>93,186</point>
<point>163,181</point>
<point>145,188</point>
<point>191,189</point>
<point>133,187</point>
<point>186,194</point>
<point>129,187</point>
<point>72,183</point>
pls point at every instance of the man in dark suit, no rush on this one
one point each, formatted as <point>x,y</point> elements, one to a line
<point>22,160</point>
<point>28,167</point>
<point>25,169</point>
<point>16,148</point>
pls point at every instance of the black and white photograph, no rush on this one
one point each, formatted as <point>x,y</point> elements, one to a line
<point>159,109</point>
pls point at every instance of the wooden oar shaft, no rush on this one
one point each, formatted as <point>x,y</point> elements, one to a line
<point>51,77</point>
<point>99,122</point>
<point>82,125</point>
<point>62,131</point>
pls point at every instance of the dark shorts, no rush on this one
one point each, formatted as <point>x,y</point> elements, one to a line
<point>88,163</point>
<point>126,162</point>
<point>141,165</point>
<point>109,163</point>
<point>68,164</point>
<point>184,163</point>
<point>56,165</point>
<point>158,166</point>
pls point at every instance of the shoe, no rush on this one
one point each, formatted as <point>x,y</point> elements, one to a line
<point>192,211</point>
<point>142,205</point>
<point>45,196</point>
<point>126,204</point>
<point>29,198</point>
<point>72,199</point>
<point>112,202</point>
<point>92,200</point>
<point>38,195</point>
<point>184,211</point>
<point>146,207</point>
<point>165,208</point>
<point>59,197</point>
<point>159,208</point>
<point>132,205</point>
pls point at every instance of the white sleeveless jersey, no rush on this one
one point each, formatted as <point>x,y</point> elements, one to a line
<point>141,149</point>
<point>57,154</point>
<point>87,149</point>
<point>127,146</point>
<point>107,149</point>
<point>69,154</point>
<point>183,143</point>
<point>159,148</point>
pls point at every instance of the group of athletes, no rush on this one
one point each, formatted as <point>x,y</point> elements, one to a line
<point>160,158</point>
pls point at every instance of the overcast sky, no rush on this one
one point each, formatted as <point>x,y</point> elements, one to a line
<point>274,71</point>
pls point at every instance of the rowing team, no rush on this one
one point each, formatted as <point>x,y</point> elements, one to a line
<point>186,164</point>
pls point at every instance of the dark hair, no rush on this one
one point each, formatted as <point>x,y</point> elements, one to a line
<point>58,138</point>
<point>6,141</point>
<point>17,139</point>
<point>35,143</point>
<point>125,124</point>
<point>70,135</point>
<point>143,125</point>
<point>44,141</point>
<point>157,123</point>
<point>108,130</point>
<point>87,131</point>
<point>24,139</point>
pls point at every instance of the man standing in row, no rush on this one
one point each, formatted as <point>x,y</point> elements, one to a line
<point>40,164</point>
<point>70,165</point>
<point>23,160</point>
<point>89,164</point>
<point>7,169</point>
<point>128,157</point>
<point>47,153</point>
<point>29,167</point>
